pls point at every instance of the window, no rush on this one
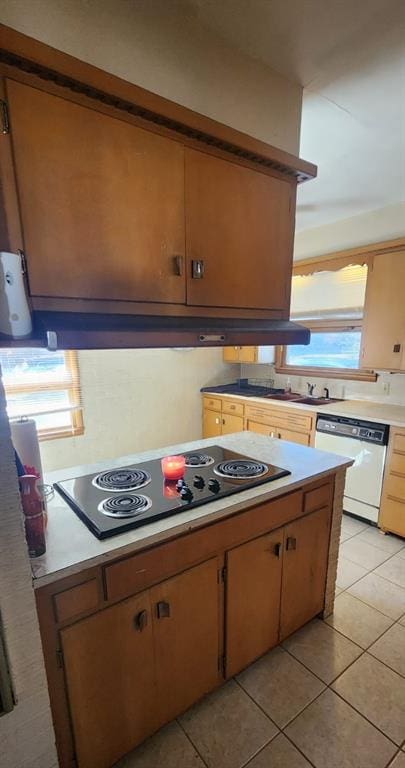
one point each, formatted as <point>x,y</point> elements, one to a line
<point>327,349</point>
<point>330,303</point>
<point>45,386</point>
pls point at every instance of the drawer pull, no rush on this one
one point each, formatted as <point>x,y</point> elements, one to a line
<point>291,543</point>
<point>163,609</point>
<point>141,620</point>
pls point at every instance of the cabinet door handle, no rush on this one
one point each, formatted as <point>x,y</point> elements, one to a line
<point>277,549</point>
<point>141,620</point>
<point>223,421</point>
<point>291,543</point>
<point>163,609</point>
<point>197,269</point>
<point>178,264</point>
<point>217,421</point>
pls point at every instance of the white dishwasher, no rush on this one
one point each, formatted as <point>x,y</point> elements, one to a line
<point>366,443</point>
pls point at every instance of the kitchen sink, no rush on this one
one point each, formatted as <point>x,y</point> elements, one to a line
<point>296,398</point>
<point>318,400</point>
<point>285,396</point>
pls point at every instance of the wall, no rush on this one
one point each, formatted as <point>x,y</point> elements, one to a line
<point>138,399</point>
<point>372,227</point>
<point>162,46</point>
<point>26,733</point>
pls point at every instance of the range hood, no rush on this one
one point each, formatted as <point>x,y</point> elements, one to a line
<point>71,330</point>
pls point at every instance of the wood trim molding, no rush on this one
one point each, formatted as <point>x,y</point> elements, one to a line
<point>29,55</point>
<point>333,261</point>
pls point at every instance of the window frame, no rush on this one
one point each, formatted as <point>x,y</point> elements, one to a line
<point>355,374</point>
<point>73,390</point>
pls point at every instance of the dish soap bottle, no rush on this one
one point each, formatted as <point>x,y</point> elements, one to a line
<point>33,515</point>
<point>288,386</point>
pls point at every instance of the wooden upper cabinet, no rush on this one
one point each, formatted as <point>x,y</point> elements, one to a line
<point>239,235</point>
<point>101,201</point>
<point>383,336</point>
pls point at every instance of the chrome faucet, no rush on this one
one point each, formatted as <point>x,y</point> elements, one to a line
<point>326,391</point>
<point>311,388</point>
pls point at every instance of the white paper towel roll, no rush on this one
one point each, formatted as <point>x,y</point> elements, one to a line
<point>25,440</point>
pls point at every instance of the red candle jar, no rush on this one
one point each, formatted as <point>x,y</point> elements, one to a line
<point>173,467</point>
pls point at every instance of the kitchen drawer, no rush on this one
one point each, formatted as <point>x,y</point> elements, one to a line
<point>399,442</point>
<point>303,438</point>
<point>234,409</point>
<point>213,403</point>
<point>394,487</point>
<point>318,498</point>
<point>133,574</point>
<point>76,601</point>
<point>397,463</point>
<point>280,418</point>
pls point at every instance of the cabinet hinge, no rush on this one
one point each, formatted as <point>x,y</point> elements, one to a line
<point>59,659</point>
<point>222,664</point>
<point>222,575</point>
<point>5,123</point>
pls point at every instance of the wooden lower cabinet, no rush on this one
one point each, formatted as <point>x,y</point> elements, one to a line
<point>306,544</point>
<point>212,426</point>
<point>231,424</point>
<point>392,510</point>
<point>186,637</point>
<point>302,438</point>
<point>111,684</point>
<point>253,600</point>
<point>131,668</point>
<point>209,603</point>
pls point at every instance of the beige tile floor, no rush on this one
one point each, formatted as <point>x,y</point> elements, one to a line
<point>332,696</point>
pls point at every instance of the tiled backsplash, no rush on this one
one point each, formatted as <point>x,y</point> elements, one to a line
<point>389,387</point>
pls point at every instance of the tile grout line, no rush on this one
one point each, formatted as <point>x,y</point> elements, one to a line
<point>191,742</point>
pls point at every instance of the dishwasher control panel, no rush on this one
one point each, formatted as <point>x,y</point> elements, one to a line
<point>367,431</point>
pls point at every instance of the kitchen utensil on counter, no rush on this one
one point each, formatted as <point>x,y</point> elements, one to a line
<point>15,315</point>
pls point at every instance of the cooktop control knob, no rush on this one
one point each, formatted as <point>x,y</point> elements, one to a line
<point>213,485</point>
<point>186,493</point>
<point>179,484</point>
<point>199,481</point>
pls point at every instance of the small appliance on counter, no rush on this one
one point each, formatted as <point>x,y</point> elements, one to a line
<point>119,499</point>
<point>15,316</point>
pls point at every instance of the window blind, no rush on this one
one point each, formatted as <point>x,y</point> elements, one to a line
<point>329,295</point>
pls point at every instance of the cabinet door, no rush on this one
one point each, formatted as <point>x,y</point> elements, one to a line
<point>186,632</point>
<point>248,355</point>
<point>304,570</point>
<point>110,676</point>
<point>231,424</point>
<point>252,600</point>
<point>239,224</point>
<point>294,437</point>
<point>212,426</point>
<point>383,335</point>
<point>231,354</point>
<point>102,202</point>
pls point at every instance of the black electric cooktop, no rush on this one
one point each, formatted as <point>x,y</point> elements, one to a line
<point>122,498</point>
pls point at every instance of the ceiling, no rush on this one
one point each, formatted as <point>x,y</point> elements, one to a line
<point>350,58</point>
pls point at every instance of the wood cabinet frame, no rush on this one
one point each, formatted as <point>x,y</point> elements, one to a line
<point>106,585</point>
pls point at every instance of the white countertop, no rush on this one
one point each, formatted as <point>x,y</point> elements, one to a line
<point>72,547</point>
<point>385,413</point>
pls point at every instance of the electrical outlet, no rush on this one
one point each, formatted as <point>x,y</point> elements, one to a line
<point>386,387</point>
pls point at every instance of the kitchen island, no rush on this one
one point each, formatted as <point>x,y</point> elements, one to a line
<point>138,627</point>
